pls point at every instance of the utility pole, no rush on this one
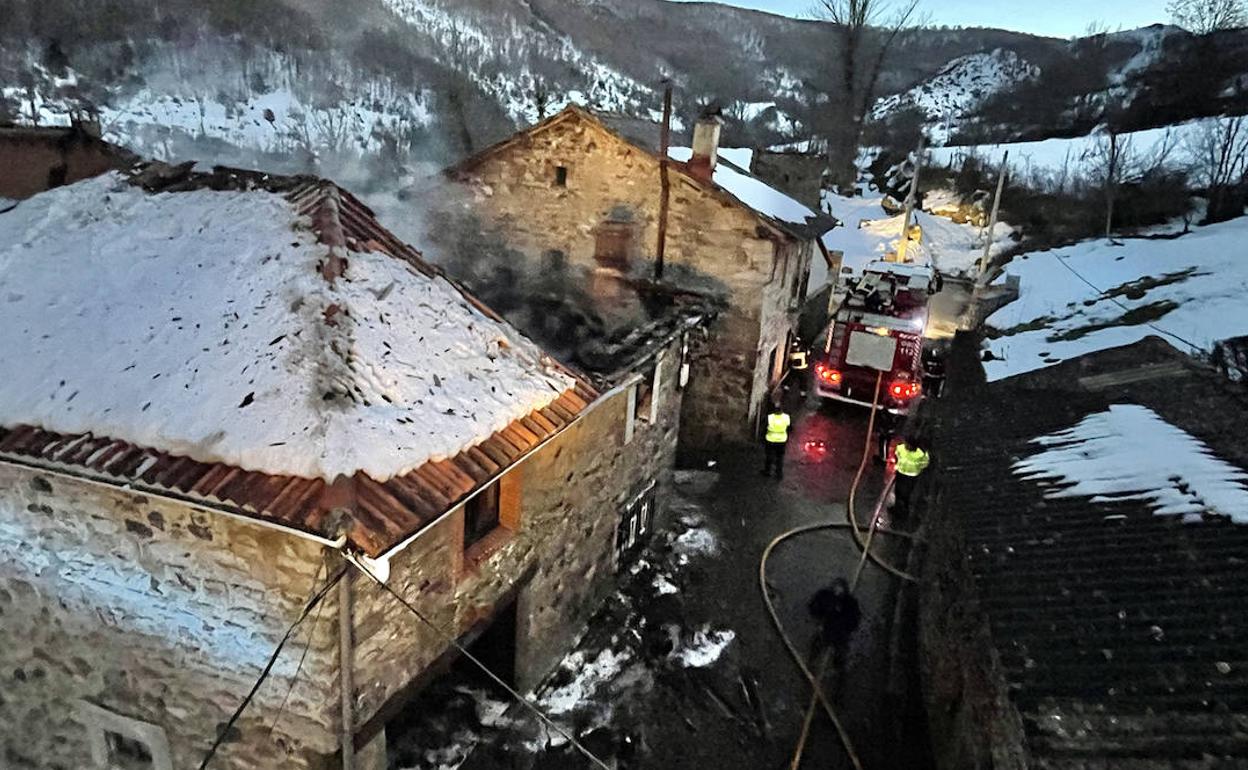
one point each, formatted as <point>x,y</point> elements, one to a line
<point>911,197</point>
<point>992,220</point>
<point>665,185</point>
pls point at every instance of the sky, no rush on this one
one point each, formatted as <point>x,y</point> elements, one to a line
<point>1055,18</point>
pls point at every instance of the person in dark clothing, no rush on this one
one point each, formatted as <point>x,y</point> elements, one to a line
<point>837,613</point>
<point>933,371</point>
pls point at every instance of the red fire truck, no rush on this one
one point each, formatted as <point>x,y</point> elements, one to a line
<point>878,328</point>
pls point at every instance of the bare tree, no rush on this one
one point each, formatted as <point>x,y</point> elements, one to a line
<point>1219,152</point>
<point>866,31</point>
<point>1204,16</point>
<point>1113,163</point>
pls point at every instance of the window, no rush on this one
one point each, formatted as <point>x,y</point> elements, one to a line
<point>122,743</point>
<point>636,521</point>
<point>561,176</point>
<point>481,515</point>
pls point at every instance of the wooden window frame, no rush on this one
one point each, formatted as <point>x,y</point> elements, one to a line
<point>506,494</point>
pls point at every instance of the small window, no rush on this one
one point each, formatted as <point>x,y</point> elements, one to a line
<point>481,515</point>
<point>122,743</point>
<point>561,176</point>
<point>126,753</point>
<point>636,521</point>
<point>644,395</point>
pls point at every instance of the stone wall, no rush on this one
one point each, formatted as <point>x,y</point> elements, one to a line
<point>159,612</point>
<point>798,174</point>
<point>712,244</point>
<point>557,557</point>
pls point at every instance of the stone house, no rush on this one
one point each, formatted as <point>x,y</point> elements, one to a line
<point>297,396</point>
<point>594,191</point>
<point>38,158</point>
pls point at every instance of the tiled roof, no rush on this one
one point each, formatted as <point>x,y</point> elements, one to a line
<point>1122,633</point>
<point>384,513</point>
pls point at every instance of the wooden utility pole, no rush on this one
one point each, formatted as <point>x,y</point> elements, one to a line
<point>992,220</point>
<point>665,185</point>
<point>911,197</point>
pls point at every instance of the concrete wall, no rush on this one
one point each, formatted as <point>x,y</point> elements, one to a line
<point>711,243</point>
<point>558,554</point>
<point>158,612</point>
<point>35,160</point>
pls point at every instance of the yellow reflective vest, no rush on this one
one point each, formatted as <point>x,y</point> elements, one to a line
<point>911,462</point>
<point>777,428</point>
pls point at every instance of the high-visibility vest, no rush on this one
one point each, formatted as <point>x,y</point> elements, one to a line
<point>777,428</point>
<point>911,462</point>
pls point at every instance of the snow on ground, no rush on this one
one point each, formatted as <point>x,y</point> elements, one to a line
<point>704,648</point>
<point>1191,286</point>
<point>590,674</point>
<point>867,232</point>
<point>1130,453</point>
<point>750,190</point>
<point>958,89</point>
<point>1052,160</point>
<point>195,323</point>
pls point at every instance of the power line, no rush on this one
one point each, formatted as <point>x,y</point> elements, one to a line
<point>1126,309</point>
<point>268,667</point>
<point>316,625</point>
<point>473,659</point>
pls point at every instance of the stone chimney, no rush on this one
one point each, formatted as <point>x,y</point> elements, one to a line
<point>705,146</point>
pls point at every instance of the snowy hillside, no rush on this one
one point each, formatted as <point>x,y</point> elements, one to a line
<point>1187,290</point>
<point>1039,163</point>
<point>958,89</point>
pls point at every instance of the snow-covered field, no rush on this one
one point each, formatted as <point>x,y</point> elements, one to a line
<point>1053,160</point>
<point>958,89</point>
<point>1130,453</point>
<point>1192,286</point>
<point>198,323</point>
<point>867,232</point>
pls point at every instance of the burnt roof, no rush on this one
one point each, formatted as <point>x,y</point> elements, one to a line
<point>384,514</point>
<point>1121,633</point>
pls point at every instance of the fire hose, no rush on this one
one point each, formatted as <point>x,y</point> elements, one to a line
<point>818,695</point>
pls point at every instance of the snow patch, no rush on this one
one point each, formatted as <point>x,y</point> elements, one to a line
<point>589,676</point>
<point>696,542</point>
<point>750,190</point>
<point>1130,453</point>
<point>705,648</point>
<point>1191,286</point>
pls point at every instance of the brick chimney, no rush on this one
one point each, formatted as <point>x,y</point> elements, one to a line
<point>705,146</point>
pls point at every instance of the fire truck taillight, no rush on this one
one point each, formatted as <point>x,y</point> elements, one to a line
<point>903,390</point>
<point>827,375</point>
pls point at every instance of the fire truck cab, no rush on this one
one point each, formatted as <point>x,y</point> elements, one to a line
<point>878,328</point>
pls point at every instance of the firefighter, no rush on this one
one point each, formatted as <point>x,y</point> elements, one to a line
<point>912,460</point>
<point>837,613</point>
<point>933,371</point>
<point>775,440</point>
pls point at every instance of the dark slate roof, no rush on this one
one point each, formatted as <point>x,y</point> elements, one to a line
<point>1122,634</point>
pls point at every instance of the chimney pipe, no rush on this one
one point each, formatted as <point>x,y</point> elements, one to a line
<point>665,184</point>
<point>705,146</point>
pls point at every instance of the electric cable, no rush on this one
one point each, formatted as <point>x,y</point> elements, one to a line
<point>316,624</point>
<point>1126,309</point>
<point>450,638</point>
<point>312,603</point>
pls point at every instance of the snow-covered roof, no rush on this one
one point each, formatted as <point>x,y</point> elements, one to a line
<point>750,190</point>
<point>204,323</point>
<point>1128,452</point>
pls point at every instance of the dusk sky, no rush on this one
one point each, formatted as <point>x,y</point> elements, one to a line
<point>1058,18</point>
